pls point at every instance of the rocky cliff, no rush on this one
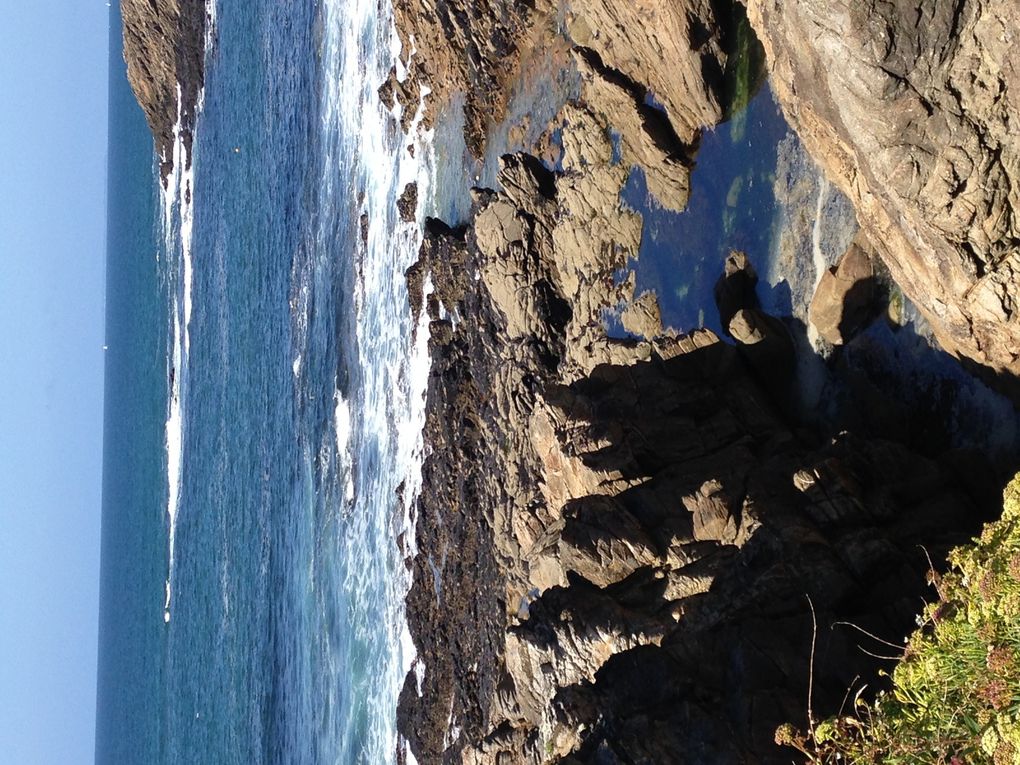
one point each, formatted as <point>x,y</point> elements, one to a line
<point>628,550</point>
<point>164,48</point>
<point>621,542</point>
<point>480,48</point>
<point>911,108</point>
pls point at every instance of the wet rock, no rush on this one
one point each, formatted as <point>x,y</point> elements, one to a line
<point>847,297</point>
<point>404,93</point>
<point>386,94</point>
<point>467,46</point>
<point>407,203</point>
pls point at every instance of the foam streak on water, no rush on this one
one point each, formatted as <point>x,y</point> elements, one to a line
<point>379,423</point>
<point>177,222</point>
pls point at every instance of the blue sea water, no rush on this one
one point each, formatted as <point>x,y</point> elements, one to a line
<point>264,404</point>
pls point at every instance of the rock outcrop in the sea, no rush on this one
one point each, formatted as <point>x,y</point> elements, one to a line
<point>164,48</point>
<point>407,202</point>
<point>621,541</point>
<point>911,108</point>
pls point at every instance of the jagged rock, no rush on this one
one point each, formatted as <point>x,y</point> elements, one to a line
<point>617,537</point>
<point>846,298</point>
<point>601,539</point>
<point>909,108</point>
<point>642,317</point>
<point>644,136</point>
<point>164,48</point>
<point>735,289</point>
<point>467,46</point>
<point>479,49</point>
<point>749,326</point>
<point>407,203</point>
<point>631,40</point>
<point>406,93</point>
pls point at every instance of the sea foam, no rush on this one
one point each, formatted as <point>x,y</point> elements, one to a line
<point>178,216</point>
<point>384,415</point>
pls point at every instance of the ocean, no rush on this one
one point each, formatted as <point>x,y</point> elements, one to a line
<point>264,403</point>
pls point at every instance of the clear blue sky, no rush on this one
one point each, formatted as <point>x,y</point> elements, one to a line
<point>53,82</point>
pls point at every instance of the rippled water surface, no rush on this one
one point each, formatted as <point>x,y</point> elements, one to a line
<point>253,587</point>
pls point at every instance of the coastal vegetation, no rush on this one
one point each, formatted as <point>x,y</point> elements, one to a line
<point>955,695</point>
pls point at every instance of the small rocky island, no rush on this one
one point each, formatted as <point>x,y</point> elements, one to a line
<point>164,48</point>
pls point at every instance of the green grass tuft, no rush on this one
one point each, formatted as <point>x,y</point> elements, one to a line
<point>956,692</point>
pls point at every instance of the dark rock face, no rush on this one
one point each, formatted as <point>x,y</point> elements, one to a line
<point>910,108</point>
<point>407,203</point>
<point>164,47</point>
<point>617,556</point>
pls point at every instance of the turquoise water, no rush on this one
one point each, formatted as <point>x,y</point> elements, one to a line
<point>263,406</point>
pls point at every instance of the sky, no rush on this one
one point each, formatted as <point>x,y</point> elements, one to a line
<point>53,133</point>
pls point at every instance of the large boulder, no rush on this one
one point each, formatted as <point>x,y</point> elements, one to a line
<point>846,297</point>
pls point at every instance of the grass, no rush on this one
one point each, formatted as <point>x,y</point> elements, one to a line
<point>955,695</point>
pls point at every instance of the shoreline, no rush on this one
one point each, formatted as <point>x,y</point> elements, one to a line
<point>622,547</point>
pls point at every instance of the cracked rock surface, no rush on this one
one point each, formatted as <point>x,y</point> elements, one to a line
<point>618,539</point>
<point>164,47</point>
<point>911,108</point>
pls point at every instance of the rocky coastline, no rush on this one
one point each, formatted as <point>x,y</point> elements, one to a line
<point>164,49</point>
<point>632,550</point>
<point>620,548</point>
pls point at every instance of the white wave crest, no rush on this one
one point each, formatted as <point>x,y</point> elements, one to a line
<point>178,208</point>
<point>385,412</point>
